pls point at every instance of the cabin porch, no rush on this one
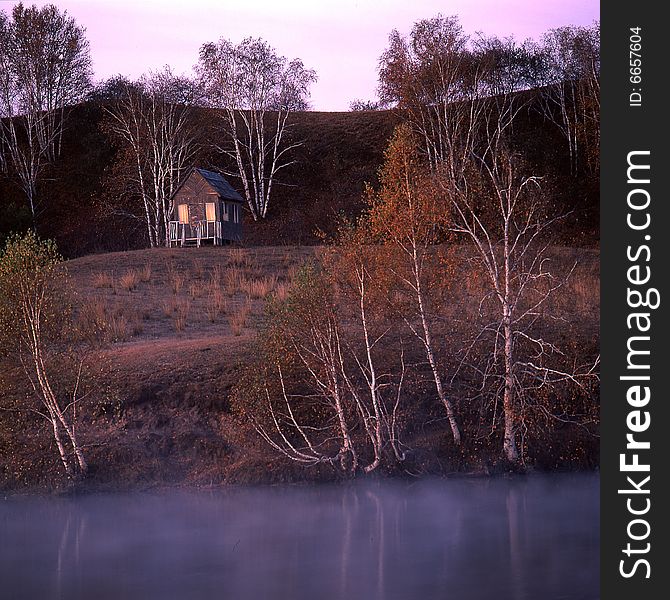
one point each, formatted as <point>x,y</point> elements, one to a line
<point>193,234</point>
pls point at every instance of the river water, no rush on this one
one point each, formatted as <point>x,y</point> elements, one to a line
<point>534,538</point>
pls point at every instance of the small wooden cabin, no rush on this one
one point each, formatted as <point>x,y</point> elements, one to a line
<point>205,208</point>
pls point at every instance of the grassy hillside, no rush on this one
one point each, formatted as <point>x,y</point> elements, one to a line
<point>173,329</point>
<point>340,152</point>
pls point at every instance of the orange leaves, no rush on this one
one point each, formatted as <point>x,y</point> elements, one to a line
<point>408,208</point>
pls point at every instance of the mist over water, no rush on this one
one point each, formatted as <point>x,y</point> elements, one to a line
<point>521,538</point>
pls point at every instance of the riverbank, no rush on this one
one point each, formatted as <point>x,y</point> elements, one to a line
<point>167,349</point>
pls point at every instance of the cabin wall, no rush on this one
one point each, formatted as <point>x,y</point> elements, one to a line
<point>231,231</point>
<point>195,193</point>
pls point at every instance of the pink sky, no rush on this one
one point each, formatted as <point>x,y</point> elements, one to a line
<point>341,39</point>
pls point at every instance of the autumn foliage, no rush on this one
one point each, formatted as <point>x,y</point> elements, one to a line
<point>374,314</point>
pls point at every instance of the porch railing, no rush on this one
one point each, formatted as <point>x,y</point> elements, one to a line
<point>181,233</point>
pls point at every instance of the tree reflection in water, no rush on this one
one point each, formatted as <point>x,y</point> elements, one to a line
<point>517,538</point>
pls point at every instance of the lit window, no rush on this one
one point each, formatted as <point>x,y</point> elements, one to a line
<point>183,213</point>
<point>210,211</point>
<point>226,213</point>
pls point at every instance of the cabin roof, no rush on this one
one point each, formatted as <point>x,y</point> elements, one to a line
<point>222,187</point>
<point>216,182</point>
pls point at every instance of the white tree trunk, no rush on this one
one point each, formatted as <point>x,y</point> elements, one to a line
<point>59,444</point>
<point>509,443</point>
<point>428,345</point>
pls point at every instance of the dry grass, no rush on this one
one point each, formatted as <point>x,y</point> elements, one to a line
<point>195,290</point>
<point>198,269</point>
<point>145,273</point>
<point>238,319</point>
<point>258,288</point>
<point>129,280</point>
<point>232,280</point>
<point>293,271</point>
<point>124,322</point>
<point>92,321</point>
<point>93,312</point>
<point>281,291</point>
<point>100,322</point>
<point>182,311</point>
<point>236,279</point>
<point>119,329</point>
<point>103,280</point>
<point>169,306</point>
<point>227,303</point>
<point>216,304</point>
<point>176,279</point>
<point>190,294</point>
<point>286,260</point>
<point>216,276</point>
<point>580,291</point>
<point>238,257</point>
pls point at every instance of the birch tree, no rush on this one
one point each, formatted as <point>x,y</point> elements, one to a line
<point>571,95</point>
<point>447,85</point>
<point>433,78</point>
<point>257,90</point>
<point>406,213</point>
<point>153,119</point>
<point>34,325</point>
<point>503,243</point>
<point>361,273</point>
<point>506,214</point>
<point>305,350</point>
<point>508,66</point>
<point>45,68</point>
<point>322,397</point>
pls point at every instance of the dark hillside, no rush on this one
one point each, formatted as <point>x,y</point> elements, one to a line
<point>84,203</point>
<point>341,151</point>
